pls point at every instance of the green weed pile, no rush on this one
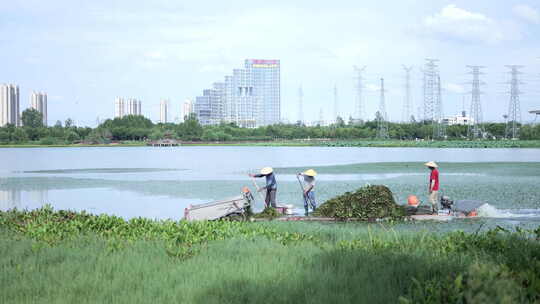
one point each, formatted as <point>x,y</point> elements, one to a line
<point>366,203</point>
<point>268,213</point>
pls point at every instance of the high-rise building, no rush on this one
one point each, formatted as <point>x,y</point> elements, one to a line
<point>119,107</point>
<point>123,108</point>
<point>9,105</point>
<point>163,110</point>
<point>250,97</point>
<point>267,89</point>
<point>38,102</point>
<point>240,99</point>
<point>203,108</point>
<point>187,108</point>
<point>133,107</point>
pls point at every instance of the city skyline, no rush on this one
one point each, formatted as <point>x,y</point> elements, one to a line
<point>187,47</point>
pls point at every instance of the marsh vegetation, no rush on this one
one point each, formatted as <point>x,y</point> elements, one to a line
<point>66,257</point>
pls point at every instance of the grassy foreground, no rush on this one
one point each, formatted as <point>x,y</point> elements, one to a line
<point>65,257</point>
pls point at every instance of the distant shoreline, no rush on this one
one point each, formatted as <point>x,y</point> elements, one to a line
<point>491,144</point>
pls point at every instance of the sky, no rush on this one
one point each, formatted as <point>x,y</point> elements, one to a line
<point>85,53</point>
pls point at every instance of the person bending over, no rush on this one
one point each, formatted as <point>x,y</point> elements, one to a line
<point>271,186</point>
<point>309,189</point>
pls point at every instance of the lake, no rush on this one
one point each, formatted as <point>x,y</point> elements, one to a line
<point>160,182</point>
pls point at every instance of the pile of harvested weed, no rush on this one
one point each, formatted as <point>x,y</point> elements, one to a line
<point>370,202</point>
<point>268,212</point>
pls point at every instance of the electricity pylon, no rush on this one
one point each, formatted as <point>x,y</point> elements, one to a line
<point>514,109</point>
<point>474,129</point>
<point>300,105</point>
<point>407,106</point>
<point>358,86</point>
<point>382,119</point>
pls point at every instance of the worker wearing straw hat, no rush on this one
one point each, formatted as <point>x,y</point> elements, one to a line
<point>271,186</point>
<point>433,187</point>
<point>308,188</point>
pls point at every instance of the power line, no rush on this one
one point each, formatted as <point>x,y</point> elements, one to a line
<point>514,109</point>
<point>474,129</point>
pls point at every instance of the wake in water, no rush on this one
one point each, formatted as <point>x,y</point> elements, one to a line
<point>486,210</point>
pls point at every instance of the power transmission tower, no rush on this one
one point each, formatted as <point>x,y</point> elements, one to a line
<point>474,129</point>
<point>300,105</point>
<point>430,78</point>
<point>439,129</point>
<point>514,109</point>
<point>407,106</point>
<point>321,118</point>
<point>336,105</point>
<point>382,123</point>
<point>358,86</point>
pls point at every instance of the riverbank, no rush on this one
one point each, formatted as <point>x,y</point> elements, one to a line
<point>483,144</point>
<point>65,257</point>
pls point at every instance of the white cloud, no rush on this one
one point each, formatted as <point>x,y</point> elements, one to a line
<point>457,23</point>
<point>526,12</point>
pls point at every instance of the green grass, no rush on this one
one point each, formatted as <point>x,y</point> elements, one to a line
<point>327,143</point>
<point>131,144</point>
<point>487,168</point>
<point>64,257</point>
<point>436,143</point>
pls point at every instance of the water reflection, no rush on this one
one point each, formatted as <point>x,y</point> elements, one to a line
<point>126,204</point>
<point>10,199</point>
<point>16,198</point>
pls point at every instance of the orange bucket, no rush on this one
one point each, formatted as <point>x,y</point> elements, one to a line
<point>412,200</point>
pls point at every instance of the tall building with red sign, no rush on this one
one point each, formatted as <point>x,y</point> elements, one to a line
<point>250,97</point>
<point>267,87</point>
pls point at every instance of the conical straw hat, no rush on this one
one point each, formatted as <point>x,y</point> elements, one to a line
<point>431,164</point>
<point>267,170</point>
<point>310,172</point>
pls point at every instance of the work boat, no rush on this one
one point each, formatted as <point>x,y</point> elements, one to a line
<point>450,210</point>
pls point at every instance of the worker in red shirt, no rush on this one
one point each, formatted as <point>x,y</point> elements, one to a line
<point>433,184</point>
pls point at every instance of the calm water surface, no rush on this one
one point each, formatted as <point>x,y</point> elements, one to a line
<point>160,182</point>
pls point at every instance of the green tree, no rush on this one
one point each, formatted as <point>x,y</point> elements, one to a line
<point>5,136</point>
<point>19,135</point>
<point>31,118</point>
<point>340,123</point>
<point>190,129</point>
<point>71,136</point>
<point>69,123</point>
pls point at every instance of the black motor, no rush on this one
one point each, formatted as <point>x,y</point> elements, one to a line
<point>446,202</point>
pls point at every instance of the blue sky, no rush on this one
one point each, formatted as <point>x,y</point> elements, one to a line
<point>84,53</point>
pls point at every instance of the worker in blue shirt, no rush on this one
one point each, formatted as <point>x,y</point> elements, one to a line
<point>271,186</point>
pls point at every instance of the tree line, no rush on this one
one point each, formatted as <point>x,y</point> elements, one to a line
<point>139,128</point>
